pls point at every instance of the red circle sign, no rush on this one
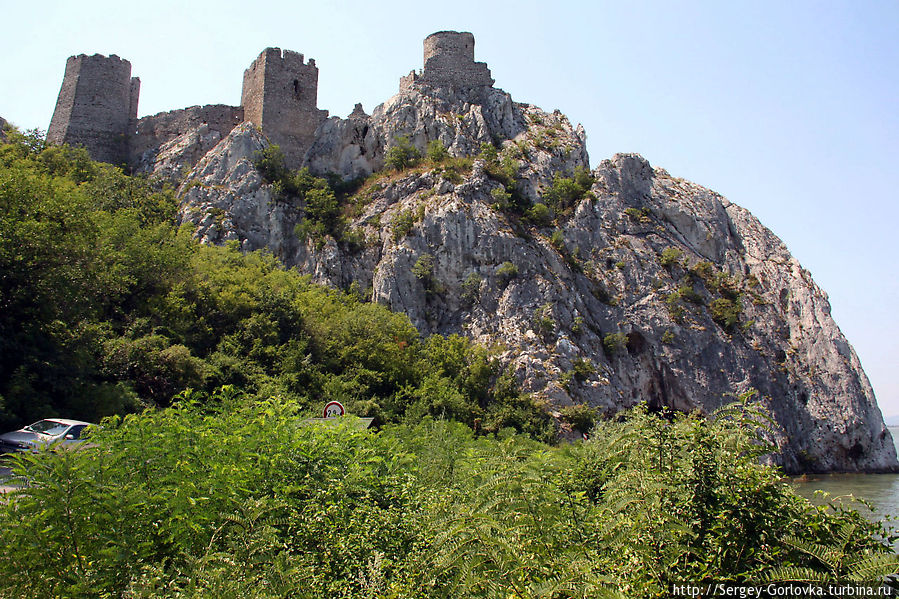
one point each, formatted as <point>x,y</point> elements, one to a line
<point>333,409</point>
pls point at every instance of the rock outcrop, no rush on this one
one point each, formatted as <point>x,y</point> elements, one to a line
<point>643,288</point>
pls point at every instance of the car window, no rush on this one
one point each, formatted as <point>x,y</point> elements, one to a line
<point>47,427</point>
<point>75,431</point>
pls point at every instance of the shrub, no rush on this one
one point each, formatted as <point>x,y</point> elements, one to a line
<point>639,214</point>
<point>506,272</point>
<point>539,215</point>
<point>583,368</point>
<point>402,223</point>
<point>581,417</point>
<point>691,295</point>
<point>471,289</point>
<point>726,313</point>
<point>424,268</point>
<point>402,155</point>
<point>614,343</point>
<point>557,240</point>
<point>670,257</point>
<point>542,321</point>
<point>501,198</point>
<point>436,151</point>
<point>565,192</point>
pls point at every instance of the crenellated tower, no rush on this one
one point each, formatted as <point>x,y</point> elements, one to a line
<point>280,95</point>
<point>96,107</point>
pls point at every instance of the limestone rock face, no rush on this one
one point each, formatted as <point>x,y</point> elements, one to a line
<point>655,289</point>
<point>226,199</point>
<point>174,159</point>
<point>357,146</point>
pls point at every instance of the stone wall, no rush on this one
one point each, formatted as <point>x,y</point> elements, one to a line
<point>153,131</point>
<point>449,62</point>
<point>280,95</point>
<point>96,107</point>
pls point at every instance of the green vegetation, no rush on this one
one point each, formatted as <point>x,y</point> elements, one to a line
<point>670,257</point>
<point>581,417</point>
<point>224,497</point>
<point>503,169</point>
<point>206,480</point>
<point>582,368</point>
<point>539,214</point>
<point>108,308</point>
<point>471,289</point>
<point>506,272</point>
<point>614,343</point>
<point>402,223</point>
<point>726,313</point>
<point>565,192</point>
<point>402,154</point>
<point>322,215</point>
<point>543,321</point>
<point>436,151</point>
<point>725,309</point>
<point>639,214</point>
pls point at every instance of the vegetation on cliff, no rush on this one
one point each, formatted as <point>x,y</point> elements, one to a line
<point>206,479</point>
<point>108,308</point>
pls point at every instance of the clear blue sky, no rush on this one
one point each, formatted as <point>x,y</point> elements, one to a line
<point>790,109</point>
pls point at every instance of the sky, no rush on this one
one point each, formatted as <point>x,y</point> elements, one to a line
<point>789,109</point>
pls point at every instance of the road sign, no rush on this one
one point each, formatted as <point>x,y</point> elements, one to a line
<point>333,409</point>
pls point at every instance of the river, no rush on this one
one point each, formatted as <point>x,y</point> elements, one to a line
<point>880,490</point>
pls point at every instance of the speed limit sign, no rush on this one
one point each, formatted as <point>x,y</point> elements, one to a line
<point>333,409</point>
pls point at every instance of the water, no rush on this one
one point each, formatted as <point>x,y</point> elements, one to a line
<point>881,490</point>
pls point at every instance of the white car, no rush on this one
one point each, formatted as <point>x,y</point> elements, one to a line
<point>43,433</point>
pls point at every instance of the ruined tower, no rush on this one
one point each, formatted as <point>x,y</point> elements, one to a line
<point>449,63</point>
<point>280,94</point>
<point>96,107</point>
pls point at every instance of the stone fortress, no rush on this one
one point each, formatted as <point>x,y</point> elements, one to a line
<point>97,103</point>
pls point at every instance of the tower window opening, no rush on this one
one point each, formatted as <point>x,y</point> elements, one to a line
<point>296,88</point>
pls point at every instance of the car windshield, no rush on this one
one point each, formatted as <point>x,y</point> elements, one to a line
<point>48,427</point>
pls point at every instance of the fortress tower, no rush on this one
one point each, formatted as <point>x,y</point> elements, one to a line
<point>449,62</point>
<point>280,95</point>
<point>96,107</point>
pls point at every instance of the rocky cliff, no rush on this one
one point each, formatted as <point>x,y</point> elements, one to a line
<point>630,286</point>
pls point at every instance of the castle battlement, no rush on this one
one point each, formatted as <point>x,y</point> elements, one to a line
<point>97,103</point>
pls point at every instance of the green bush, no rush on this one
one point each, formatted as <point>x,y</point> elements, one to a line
<point>557,240</point>
<point>198,501</point>
<point>565,192</point>
<point>436,151</point>
<point>505,273</point>
<point>542,321</point>
<point>583,368</point>
<point>581,417</point>
<point>471,289</point>
<point>670,257</point>
<point>639,214</point>
<point>726,313</point>
<point>402,223</point>
<point>539,215</point>
<point>423,269</point>
<point>402,154</point>
<point>614,343</point>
